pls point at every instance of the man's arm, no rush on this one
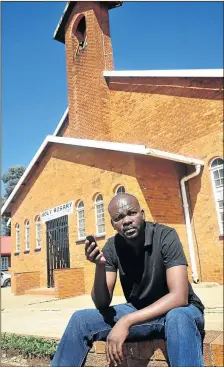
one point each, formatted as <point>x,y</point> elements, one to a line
<point>104,282</point>
<point>103,286</point>
<point>177,281</point>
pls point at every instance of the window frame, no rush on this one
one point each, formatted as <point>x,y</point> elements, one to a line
<point>116,192</point>
<point>17,226</point>
<point>215,191</point>
<point>78,210</point>
<point>97,203</point>
<point>27,235</point>
<point>38,232</point>
<point>5,258</point>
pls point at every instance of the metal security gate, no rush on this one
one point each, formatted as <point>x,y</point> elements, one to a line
<point>57,247</point>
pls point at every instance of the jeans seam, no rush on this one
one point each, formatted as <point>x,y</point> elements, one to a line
<point>149,324</point>
<point>87,350</point>
<point>99,331</point>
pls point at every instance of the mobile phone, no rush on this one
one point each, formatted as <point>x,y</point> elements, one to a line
<point>92,239</point>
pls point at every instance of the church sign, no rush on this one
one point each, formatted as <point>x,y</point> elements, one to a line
<point>58,211</point>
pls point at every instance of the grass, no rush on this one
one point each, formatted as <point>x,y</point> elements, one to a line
<point>28,345</point>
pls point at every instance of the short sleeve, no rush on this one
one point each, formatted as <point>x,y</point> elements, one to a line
<point>110,256</point>
<point>172,249</point>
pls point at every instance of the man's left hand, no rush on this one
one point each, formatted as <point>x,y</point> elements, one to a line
<point>115,341</point>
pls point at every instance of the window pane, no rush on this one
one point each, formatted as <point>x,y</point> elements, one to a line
<point>81,204</point>
<point>4,263</point>
<point>217,183</point>
<point>221,172</point>
<point>99,198</point>
<point>216,174</point>
<point>120,190</point>
<point>217,162</point>
<point>101,228</point>
<point>81,220</point>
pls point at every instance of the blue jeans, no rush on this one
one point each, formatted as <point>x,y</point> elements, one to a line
<point>182,328</point>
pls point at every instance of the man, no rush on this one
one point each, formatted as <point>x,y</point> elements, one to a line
<point>160,300</point>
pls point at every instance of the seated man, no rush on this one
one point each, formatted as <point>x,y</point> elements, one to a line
<point>160,300</point>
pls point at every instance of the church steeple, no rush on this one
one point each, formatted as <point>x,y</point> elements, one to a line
<point>84,28</point>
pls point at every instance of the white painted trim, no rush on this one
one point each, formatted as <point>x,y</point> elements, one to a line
<point>119,147</point>
<point>99,144</point>
<point>95,204</point>
<point>61,122</point>
<point>173,156</point>
<point>217,73</point>
<point>25,174</point>
<point>188,222</point>
<point>78,210</point>
<point>60,20</point>
<point>211,169</point>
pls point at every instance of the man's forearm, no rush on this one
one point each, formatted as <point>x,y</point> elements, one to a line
<point>100,293</point>
<point>157,309</point>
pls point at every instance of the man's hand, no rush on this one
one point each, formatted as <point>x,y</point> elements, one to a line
<point>93,253</point>
<point>115,341</point>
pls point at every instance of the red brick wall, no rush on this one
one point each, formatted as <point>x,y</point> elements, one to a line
<point>153,353</point>
<point>88,93</point>
<point>24,281</point>
<point>72,173</point>
<point>179,115</point>
<point>69,282</point>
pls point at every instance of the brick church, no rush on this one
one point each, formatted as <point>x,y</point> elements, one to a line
<point>155,134</point>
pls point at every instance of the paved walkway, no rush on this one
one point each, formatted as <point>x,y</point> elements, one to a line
<point>48,317</point>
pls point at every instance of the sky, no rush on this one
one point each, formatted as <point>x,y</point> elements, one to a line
<point>145,35</point>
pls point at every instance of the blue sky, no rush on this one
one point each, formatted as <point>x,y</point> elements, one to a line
<point>152,35</point>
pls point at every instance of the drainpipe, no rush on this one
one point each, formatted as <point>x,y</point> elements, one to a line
<point>188,222</point>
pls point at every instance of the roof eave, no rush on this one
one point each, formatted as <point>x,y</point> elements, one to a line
<point>59,34</point>
<point>200,73</point>
<point>85,143</point>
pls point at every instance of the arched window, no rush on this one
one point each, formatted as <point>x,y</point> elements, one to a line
<point>17,238</point>
<point>100,219</point>
<point>38,232</point>
<point>81,220</point>
<point>27,235</point>
<point>120,190</point>
<point>79,31</point>
<point>216,168</point>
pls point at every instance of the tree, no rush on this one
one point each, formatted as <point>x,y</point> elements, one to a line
<point>10,179</point>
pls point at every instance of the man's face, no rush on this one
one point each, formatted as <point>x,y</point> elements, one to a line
<point>126,217</point>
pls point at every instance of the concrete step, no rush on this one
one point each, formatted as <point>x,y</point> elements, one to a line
<point>41,292</point>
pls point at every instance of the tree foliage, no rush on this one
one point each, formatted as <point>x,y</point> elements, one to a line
<point>10,179</point>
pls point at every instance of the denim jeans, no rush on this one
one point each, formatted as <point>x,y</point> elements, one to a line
<point>182,328</point>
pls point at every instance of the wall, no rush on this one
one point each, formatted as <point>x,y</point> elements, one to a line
<point>88,93</point>
<point>69,282</point>
<point>24,281</point>
<point>72,173</point>
<point>185,116</point>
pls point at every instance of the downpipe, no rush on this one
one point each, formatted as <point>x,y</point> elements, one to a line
<point>188,221</point>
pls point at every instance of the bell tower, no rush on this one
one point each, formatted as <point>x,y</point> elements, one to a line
<point>84,28</point>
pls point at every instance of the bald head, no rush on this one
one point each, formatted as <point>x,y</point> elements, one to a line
<point>121,200</point>
<point>126,216</point>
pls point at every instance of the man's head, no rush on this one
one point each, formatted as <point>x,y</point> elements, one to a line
<point>126,216</point>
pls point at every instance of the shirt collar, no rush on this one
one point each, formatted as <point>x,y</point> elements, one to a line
<point>149,232</point>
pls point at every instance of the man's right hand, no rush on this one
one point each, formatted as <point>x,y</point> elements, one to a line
<point>93,253</point>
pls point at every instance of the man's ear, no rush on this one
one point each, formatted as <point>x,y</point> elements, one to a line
<point>112,223</point>
<point>143,214</point>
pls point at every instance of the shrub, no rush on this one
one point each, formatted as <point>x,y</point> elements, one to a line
<point>28,345</point>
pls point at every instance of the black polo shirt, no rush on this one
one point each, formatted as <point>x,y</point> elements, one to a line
<point>143,276</point>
